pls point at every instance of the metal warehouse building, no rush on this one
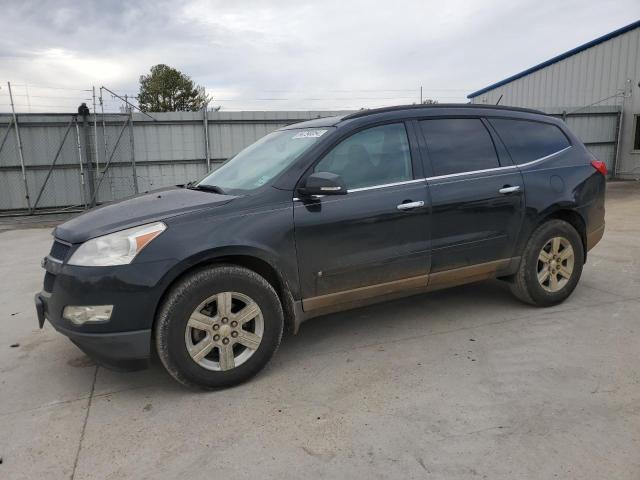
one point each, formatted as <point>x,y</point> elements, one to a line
<point>595,88</point>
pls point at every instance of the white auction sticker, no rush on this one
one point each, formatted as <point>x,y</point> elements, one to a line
<point>309,134</point>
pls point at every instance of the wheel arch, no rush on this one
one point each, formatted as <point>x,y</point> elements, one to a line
<point>569,215</point>
<point>250,258</point>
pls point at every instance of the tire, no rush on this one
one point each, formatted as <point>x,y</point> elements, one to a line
<point>525,284</point>
<point>199,314</point>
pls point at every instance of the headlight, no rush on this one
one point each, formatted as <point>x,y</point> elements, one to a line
<point>118,248</point>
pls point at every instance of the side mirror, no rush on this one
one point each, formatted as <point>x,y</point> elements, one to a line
<point>323,183</point>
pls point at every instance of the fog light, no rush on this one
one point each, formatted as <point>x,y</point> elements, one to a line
<point>79,315</point>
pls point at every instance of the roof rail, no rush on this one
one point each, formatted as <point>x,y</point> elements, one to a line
<point>373,111</point>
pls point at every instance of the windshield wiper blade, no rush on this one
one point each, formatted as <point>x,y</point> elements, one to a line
<point>207,188</point>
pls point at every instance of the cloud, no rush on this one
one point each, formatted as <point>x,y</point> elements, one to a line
<point>291,54</point>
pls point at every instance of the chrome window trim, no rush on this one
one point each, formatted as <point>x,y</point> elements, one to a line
<point>496,169</point>
<point>471,172</point>
<point>452,175</point>
<point>384,185</point>
<point>374,187</point>
<point>542,159</point>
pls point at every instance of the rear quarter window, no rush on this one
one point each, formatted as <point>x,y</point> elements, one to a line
<point>527,140</point>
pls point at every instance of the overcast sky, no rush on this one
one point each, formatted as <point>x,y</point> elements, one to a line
<point>253,55</point>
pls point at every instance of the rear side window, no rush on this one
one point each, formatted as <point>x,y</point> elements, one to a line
<point>528,141</point>
<point>458,145</point>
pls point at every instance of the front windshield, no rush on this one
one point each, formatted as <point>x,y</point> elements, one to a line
<point>260,162</point>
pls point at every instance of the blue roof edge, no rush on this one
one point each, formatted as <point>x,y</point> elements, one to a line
<point>558,58</point>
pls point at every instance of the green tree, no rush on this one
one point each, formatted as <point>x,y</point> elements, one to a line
<point>166,89</point>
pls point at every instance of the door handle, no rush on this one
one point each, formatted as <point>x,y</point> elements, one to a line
<point>410,205</point>
<point>508,189</point>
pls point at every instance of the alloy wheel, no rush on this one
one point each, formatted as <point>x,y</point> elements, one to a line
<point>555,264</point>
<point>224,331</point>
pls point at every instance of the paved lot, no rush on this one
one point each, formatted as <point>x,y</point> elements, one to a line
<point>464,383</point>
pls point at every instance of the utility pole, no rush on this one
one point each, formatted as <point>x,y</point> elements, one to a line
<point>20,152</point>
<point>420,94</point>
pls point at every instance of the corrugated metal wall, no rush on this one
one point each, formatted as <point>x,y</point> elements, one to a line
<point>597,127</point>
<point>168,150</point>
<point>609,69</point>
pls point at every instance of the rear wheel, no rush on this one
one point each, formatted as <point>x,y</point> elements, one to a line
<point>551,265</point>
<point>218,327</point>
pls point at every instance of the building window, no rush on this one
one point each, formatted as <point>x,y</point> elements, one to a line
<point>636,134</point>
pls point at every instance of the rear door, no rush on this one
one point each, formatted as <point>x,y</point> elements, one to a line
<point>373,240</point>
<point>477,195</point>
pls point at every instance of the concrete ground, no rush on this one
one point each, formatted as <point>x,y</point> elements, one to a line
<point>463,383</point>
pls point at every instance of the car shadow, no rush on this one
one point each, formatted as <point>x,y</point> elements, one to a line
<point>468,306</point>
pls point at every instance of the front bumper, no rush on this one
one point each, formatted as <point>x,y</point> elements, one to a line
<point>116,351</point>
<point>123,342</point>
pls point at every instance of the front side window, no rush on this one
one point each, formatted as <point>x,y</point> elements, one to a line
<point>260,162</point>
<point>527,140</point>
<point>376,156</point>
<point>458,145</point>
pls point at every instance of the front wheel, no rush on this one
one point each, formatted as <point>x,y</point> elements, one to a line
<point>551,265</point>
<point>218,327</point>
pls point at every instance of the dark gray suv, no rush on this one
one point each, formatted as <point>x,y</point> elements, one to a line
<point>319,217</point>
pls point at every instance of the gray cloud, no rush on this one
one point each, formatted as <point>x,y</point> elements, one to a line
<point>290,54</point>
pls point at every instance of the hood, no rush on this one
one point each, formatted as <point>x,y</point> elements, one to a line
<point>138,210</point>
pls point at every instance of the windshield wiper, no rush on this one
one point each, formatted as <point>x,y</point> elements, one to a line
<point>206,188</point>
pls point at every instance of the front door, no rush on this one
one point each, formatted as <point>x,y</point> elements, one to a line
<point>374,240</point>
<point>477,198</point>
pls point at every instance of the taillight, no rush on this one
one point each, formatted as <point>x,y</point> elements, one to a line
<point>600,166</point>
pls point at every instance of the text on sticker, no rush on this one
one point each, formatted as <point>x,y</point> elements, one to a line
<point>309,134</point>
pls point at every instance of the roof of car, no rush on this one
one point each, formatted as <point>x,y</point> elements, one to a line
<point>373,111</point>
<point>414,109</point>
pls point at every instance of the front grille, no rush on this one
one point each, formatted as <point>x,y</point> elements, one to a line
<point>59,250</point>
<point>49,278</point>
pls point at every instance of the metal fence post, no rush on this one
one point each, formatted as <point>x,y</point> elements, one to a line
<point>133,153</point>
<point>95,129</point>
<point>206,138</point>
<point>20,152</point>
<point>88,164</point>
<point>616,147</point>
<point>83,193</point>
<point>108,162</point>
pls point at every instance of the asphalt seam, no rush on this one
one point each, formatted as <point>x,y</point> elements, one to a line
<point>78,399</point>
<point>84,424</point>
